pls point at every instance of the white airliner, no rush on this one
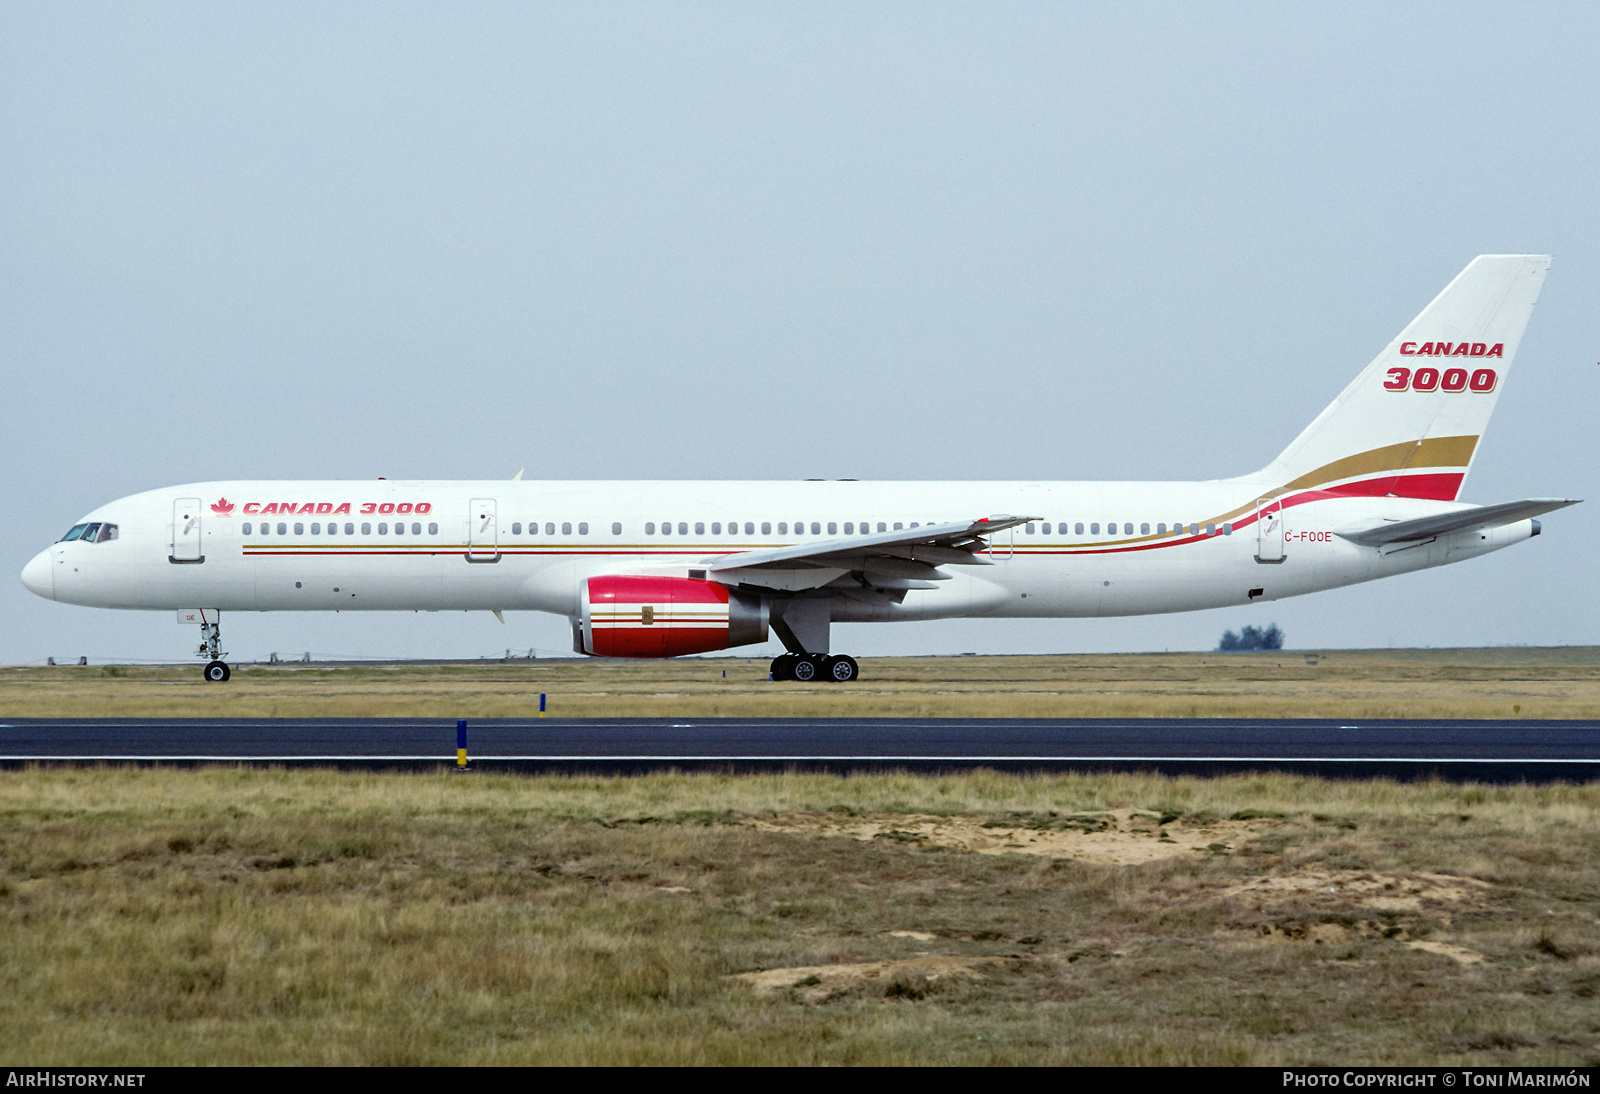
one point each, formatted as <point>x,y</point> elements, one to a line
<point>658,569</point>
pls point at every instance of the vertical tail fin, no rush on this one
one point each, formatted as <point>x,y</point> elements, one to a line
<point>1409,424</point>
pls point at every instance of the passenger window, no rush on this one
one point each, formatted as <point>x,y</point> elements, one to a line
<point>516,528</point>
<point>1227,529</point>
<point>550,528</point>
<point>566,527</point>
<point>283,529</point>
<point>299,529</point>
<point>1161,529</point>
<point>400,528</point>
<point>383,529</point>
<point>716,527</point>
<point>1211,529</point>
<point>849,528</point>
<point>1127,529</point>
<point>245,530</point>
<point>783,527</point>
<point>616,527</point>
<point>1028,528</point>
<point>816,528</point>
<point>750,528</point>
<point>833,528</point>
<point>898,527</point>
<point>433,529</point>
<point>683,528</point>
<point>583,528</point>
<point>1094,529</point>
<point>649,527</point>
<point>316,529</point>
<point>1078,529</point>
<point>366,529</point>
<point>349,529</point>
<point>1144,529</point>
<point>699,528</point>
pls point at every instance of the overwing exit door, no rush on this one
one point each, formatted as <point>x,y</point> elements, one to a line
<point>1269,530</point>
<point>483,536</point>
<point>1002,544</point>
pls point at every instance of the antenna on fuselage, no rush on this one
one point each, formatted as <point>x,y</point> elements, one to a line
<point>518,476</point>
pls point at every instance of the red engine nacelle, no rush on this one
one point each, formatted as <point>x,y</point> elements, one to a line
<point>634,616</point>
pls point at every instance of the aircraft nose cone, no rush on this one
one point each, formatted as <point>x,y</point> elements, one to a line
<point>39,577</point>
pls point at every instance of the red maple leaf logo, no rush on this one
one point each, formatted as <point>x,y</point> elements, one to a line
<point>222,506</point>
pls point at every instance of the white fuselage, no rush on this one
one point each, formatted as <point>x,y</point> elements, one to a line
<point>1095,549</point>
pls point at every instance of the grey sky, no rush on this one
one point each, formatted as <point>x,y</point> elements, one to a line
<point>768,241</point>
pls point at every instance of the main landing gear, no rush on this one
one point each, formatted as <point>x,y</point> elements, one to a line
<point>815,666</point>
<point>216,670</point>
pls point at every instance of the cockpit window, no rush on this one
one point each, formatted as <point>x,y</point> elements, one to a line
<point>90,533</point>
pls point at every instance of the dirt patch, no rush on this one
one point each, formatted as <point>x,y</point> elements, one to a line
<point>1413,893</point>
<point>1458,954</point>
<point>910,977</point>
<point>1116,837</point>
<point>1401,898</point>
<point>1334,933</point>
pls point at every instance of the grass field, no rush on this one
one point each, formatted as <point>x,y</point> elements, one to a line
<point>254,916</point>
<point>1561,682</point>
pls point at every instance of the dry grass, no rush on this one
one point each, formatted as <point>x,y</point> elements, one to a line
<point>244,916</point>
<point>1489,683</point>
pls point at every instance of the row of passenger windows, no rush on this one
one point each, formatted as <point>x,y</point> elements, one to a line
<point>766,528</point>
<point>109,531</point>
<point>1127,529</point>
<point>265,529</point>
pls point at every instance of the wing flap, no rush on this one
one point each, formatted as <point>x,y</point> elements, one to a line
<point>1481,516</point>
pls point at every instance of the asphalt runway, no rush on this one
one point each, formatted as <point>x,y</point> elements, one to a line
<point>1481,751</point>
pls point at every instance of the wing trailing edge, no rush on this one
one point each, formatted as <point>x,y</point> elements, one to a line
<point>956,543</point>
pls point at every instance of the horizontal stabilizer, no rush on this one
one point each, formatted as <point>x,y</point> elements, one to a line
<point>1481,516</point>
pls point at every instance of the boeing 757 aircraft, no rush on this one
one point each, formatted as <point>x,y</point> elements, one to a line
<point>659,569</point>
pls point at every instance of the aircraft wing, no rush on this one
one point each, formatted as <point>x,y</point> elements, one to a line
<point>905,559</point>
<point>1482,516</point>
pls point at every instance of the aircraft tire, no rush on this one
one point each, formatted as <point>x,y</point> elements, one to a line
<point>806,669</point>
<point>842,669</point>
<point>783,667</point>
<point>217,672</point>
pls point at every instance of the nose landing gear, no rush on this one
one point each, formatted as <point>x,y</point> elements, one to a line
<point>216,670</point>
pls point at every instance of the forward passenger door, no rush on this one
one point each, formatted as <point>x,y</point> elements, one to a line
<point>186,531</point>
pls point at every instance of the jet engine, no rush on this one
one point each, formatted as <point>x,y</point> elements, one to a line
<point>645,616</point>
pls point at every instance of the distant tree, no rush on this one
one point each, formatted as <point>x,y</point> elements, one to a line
<point>1251,638</point>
